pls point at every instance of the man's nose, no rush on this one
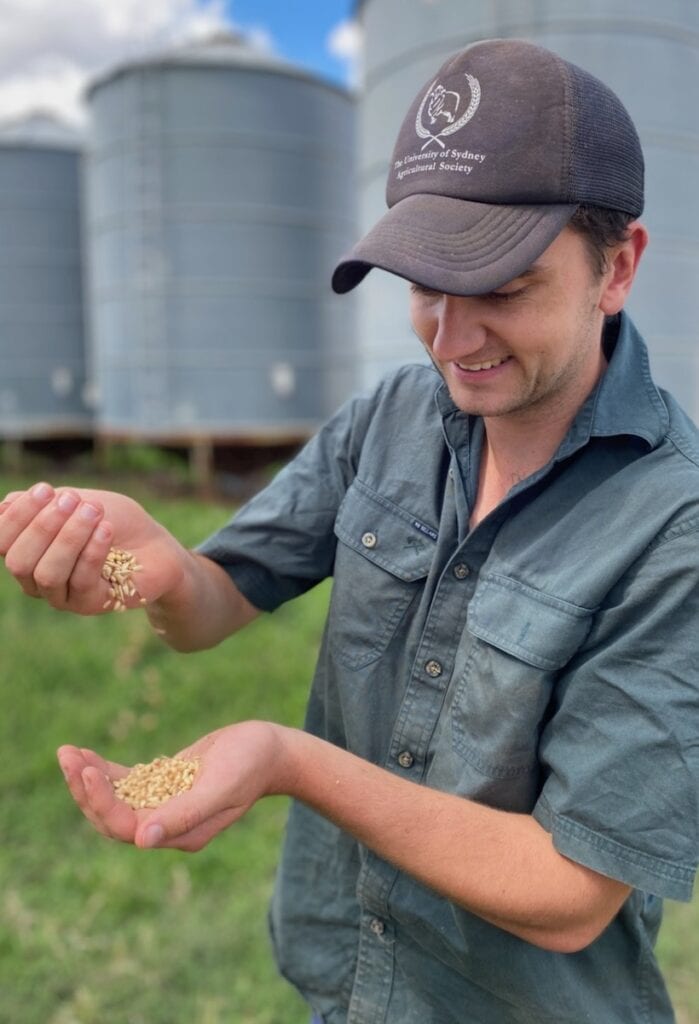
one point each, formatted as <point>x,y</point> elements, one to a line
<point>460,331</point>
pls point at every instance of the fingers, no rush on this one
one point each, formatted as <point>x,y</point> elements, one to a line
<point>18,511</point>
<point>110,769</point>
<point>55,544</point>
<point>8,499</point>
<point>115,817</point>
<point>86,588</point>
<point>66,535</point>
<point>89,779</point>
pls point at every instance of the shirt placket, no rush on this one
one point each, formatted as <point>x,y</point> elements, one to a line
<point>441,637</point>
<point>373,979</point>
<point>452,584</point>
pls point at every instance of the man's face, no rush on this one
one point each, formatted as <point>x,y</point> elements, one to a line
<point>528,351</point>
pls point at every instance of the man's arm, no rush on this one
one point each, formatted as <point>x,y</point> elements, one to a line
<point>204,609</point>
<point>496,864</point>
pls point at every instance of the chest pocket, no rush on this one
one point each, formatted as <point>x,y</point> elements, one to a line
<point>542,630</point>
<point>383,556</point>
<point>522,639</point>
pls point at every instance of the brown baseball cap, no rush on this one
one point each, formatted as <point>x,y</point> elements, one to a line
<point>494,156</point>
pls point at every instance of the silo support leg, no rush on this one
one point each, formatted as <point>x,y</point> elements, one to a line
<point>201,464</point>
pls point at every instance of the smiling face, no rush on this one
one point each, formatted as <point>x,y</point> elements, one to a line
<point>529,350</point>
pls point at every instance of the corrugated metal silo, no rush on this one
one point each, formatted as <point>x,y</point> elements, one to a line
<point>41,313</point>
<point>647,53</point>
<point>219,195</point>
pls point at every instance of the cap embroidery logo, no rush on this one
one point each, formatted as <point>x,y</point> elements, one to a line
<point>439,102</point>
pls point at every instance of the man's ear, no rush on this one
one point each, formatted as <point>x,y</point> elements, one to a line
<point>622,268</point>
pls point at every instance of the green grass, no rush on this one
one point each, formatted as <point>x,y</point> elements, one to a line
<point>92,932</point>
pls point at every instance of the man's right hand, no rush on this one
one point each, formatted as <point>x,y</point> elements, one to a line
<point>55,543</point>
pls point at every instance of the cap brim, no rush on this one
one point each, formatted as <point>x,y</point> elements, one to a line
<point>453,245</point>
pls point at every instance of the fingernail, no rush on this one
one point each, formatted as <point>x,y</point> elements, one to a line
<point>153,835</point>
<point>67,501</point>
<point>42,491</point>
<point>103,532</point>
<point>88,512</point>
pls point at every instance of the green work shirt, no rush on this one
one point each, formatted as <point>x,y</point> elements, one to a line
<point>545,662</point>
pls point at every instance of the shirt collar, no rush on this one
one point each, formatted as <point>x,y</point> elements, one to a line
<point>625,400</point>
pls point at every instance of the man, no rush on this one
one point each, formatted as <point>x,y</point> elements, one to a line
<point>497,783</point>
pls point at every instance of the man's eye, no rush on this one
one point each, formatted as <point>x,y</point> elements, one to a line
<point>422,289</point>
<point>506,296</point>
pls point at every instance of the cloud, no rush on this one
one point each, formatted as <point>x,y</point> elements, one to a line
<point>346,43</point>
<point>52,86</point>
<point>260,38</point>
<point>49,50</point>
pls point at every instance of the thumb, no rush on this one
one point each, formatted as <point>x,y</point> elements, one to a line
<point>150,836</point>
<point>163,827</point>
<point>182,830</point>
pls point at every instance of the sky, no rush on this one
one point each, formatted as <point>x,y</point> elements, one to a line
<point>49,49</point>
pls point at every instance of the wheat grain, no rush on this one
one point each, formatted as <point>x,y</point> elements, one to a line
<point>149,785</point>
<point>118,569</point>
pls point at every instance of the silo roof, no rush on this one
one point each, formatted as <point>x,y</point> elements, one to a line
<point>42,129</point>
<point>223,49</point>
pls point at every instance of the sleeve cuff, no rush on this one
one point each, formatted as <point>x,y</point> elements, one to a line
<point>643,871</point>
<point>250,579</point>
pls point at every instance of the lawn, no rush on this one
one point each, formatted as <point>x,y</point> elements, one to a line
<point>96,933</point>
<point>91,931</point>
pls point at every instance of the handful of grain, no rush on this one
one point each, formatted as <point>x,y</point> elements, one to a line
<point>118,570</point>
<point>148,785</point>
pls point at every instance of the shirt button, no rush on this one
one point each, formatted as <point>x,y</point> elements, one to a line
<point>451,473</point>
<point>369,540</point>
<point>377,926</point>
<point>433,668</point>
<point>461,571</point>
<point>406,759</point>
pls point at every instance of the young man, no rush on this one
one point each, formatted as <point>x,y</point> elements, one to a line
<point>497,782</point>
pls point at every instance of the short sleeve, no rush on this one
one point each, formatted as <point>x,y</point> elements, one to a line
<point>621,749</point>
<point>281,543</point>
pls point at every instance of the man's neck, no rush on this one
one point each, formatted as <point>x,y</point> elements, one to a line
<point>513,449</point>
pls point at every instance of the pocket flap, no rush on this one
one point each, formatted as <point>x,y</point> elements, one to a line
<point>386,534</point>
<point>542,630</point>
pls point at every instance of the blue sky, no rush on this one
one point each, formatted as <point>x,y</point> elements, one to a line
<point>300,30</point>
<point>51,49</point>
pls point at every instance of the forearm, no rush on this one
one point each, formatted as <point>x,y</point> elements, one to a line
<point>498,865</point>
<point>203,608</point>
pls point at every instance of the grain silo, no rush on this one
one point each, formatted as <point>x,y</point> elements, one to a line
<point>41,311</point>
<point>647,53</point>
<point>219,194</point>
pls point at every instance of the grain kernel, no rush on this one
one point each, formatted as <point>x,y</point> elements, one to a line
<point>149,785</point>
<point>118,569</point>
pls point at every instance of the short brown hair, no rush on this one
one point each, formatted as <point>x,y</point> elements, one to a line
<point>601,229</point>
